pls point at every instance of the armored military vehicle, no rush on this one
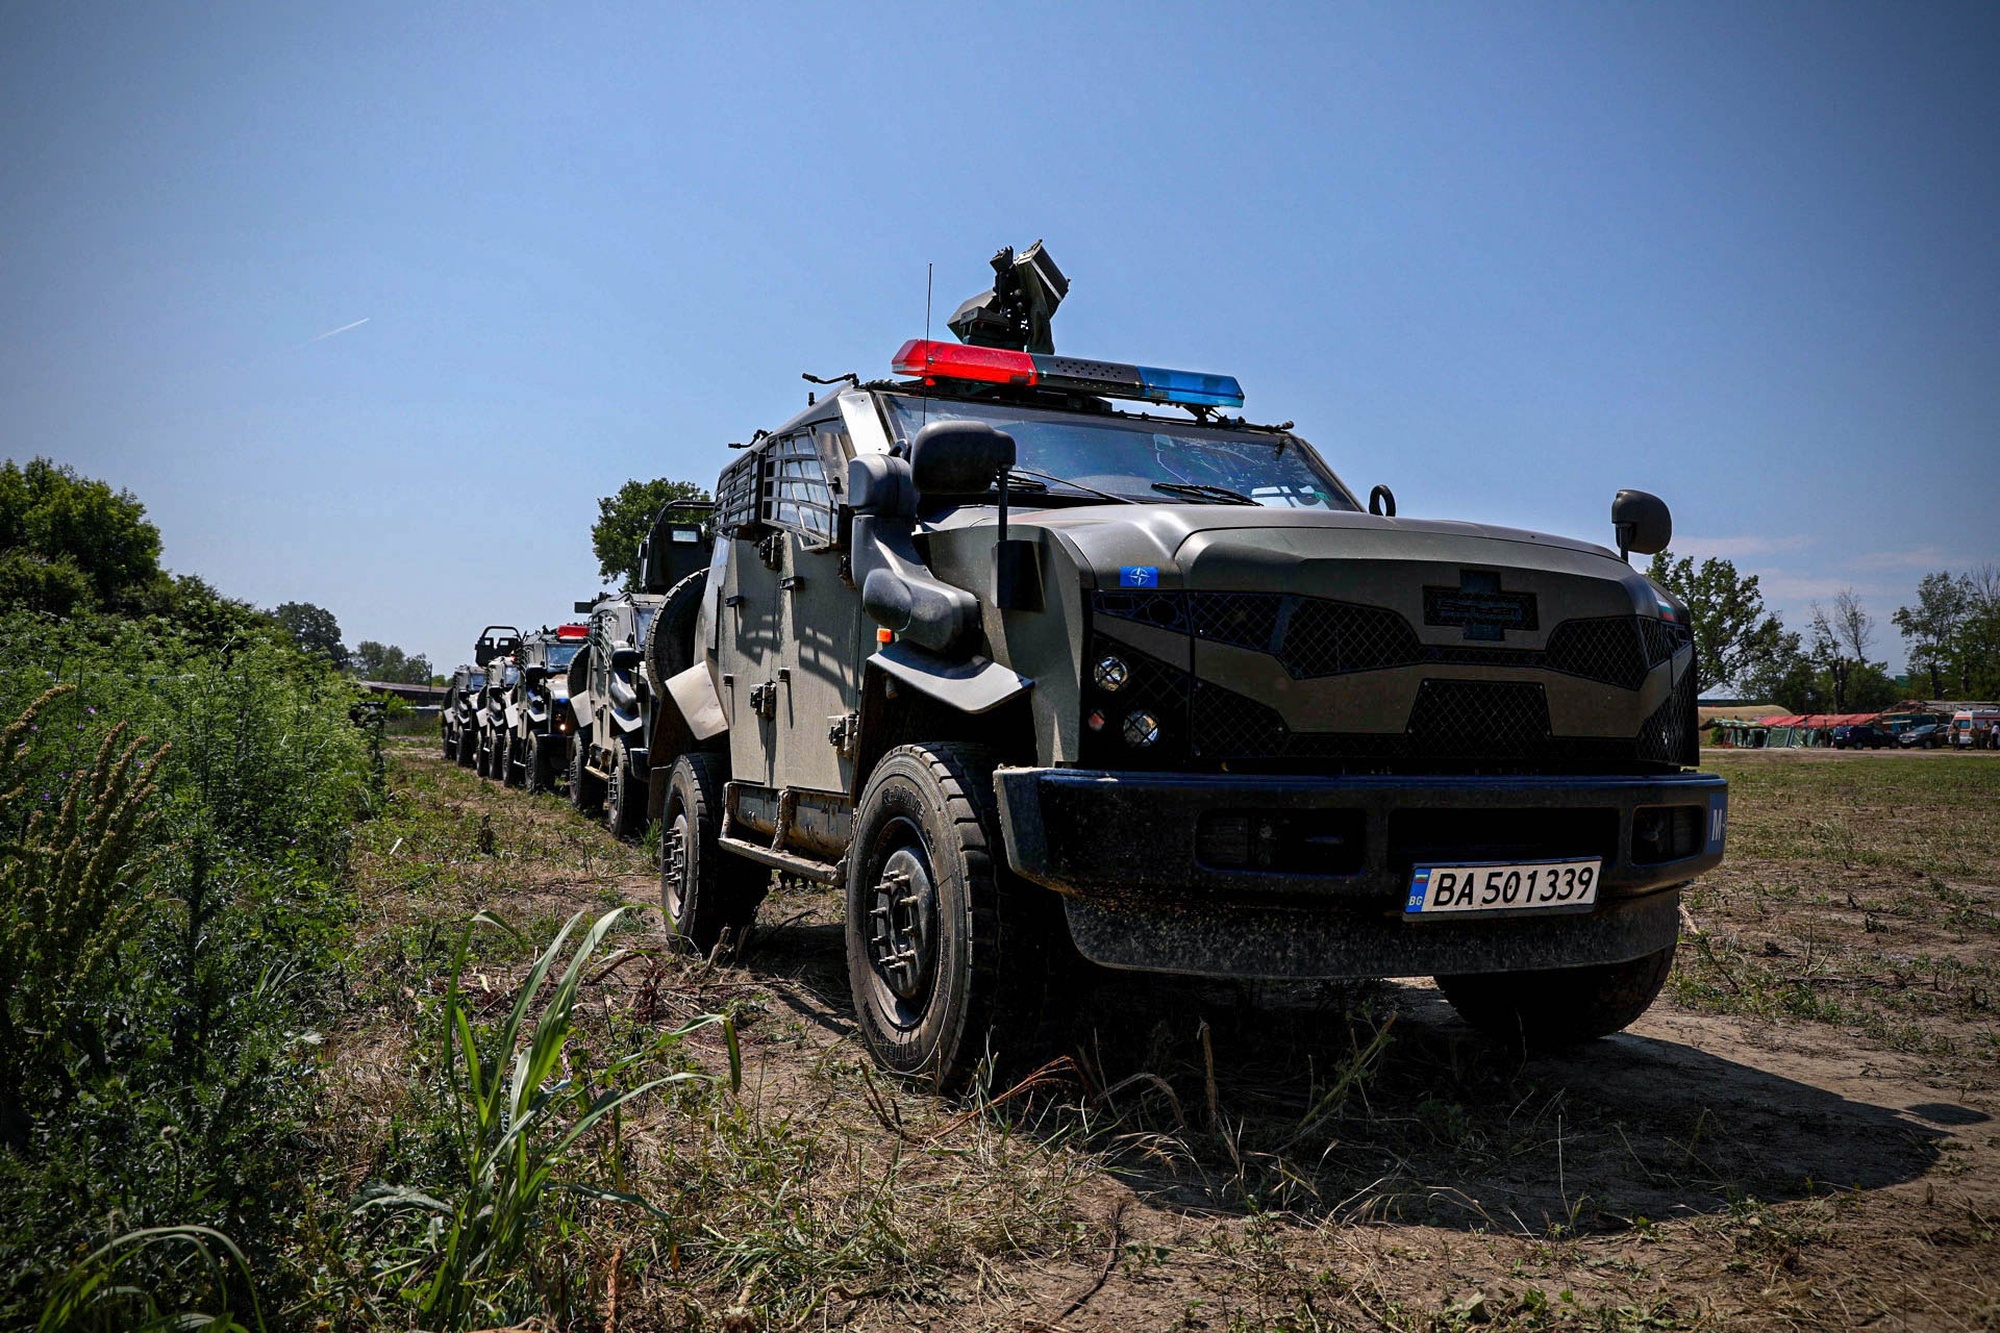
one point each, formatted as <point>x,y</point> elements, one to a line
<point>458,719</point>
<point>465,697</point>
<point>998,648</point>
<point>610,690</point>
<point>503,678</point>
<point>539,723</point>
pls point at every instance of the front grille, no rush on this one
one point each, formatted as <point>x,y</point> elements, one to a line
<point>1452,722</point>
<point>1465,719</point>
<point>1314,637</point>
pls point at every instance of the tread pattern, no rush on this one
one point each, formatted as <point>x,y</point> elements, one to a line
<point>727,888</point>
<point>1018,943</point>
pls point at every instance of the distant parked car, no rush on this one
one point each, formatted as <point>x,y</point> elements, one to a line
<point>1863,736</point>
<point>1923,736</point>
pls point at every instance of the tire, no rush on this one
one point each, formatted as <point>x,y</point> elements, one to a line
<point>624,796</point>
<point>537,774</point>
<point>450,746</point>
<point>973,965</point>
<point>468,747</point>
<point>586,789</point>
<point>704,890</point>
<point>1548,1010</point>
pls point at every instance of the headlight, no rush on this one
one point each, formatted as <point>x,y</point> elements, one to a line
<point>1141,728</point>
<point>1110,674</point>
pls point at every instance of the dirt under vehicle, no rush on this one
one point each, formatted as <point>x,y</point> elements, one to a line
<point>611,689</point>
<point>537,718</point>
<point>1033,669</point>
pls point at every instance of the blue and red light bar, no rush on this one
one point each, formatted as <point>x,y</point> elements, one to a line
<point>1109,379</point>
<point>566,633</point>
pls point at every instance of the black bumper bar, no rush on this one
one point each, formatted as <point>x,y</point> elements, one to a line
<point>1279,876</point>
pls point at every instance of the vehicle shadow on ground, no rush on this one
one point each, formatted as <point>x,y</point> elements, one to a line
<point>1373,1101</point>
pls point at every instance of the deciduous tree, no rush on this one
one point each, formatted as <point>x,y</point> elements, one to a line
<point>624,520</point>
<point>1735,639</point>
<point>314,629</point>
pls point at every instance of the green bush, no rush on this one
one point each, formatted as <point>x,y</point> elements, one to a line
<point>174,818</point>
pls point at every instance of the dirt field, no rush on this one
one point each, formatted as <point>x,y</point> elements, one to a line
<point>1801,1134</point>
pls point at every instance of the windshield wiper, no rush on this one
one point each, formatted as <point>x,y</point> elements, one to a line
<point>1039,475</point>
<point>1195,490</point>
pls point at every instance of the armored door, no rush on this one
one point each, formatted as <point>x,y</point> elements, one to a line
<point>748,621</point>
<point>820,614</point>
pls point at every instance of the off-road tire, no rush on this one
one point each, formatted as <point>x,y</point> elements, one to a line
<point>450,746</point>
<point>996,961</point>
<point>507,764</point>
<point>536,774</point>
<point>586,789</point>
<point>704,891</point>
<point>624,796</point>
<point>669,643</point>
<point>1549,1010</point>
<point>468,747</point>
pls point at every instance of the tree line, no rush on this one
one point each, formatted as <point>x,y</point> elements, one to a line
<point>73,547</point>
<point>1952,633</point>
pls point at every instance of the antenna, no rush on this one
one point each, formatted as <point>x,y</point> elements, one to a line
<point>924,412</point>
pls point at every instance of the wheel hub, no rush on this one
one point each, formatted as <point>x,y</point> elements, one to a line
<point>674,866</point>
<point>902,925</point>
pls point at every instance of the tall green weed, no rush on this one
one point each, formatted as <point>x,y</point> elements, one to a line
<point>175,818</point>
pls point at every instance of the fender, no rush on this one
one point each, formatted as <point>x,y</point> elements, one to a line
<point>694,696</point>
<point>976,686</point>
<point>578,682</point>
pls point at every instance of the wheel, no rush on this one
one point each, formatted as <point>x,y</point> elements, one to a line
<point>1560,1007</point>
<point>537,773</point>
<point>624,796</point>
<point>703,889</point>
<point>950,958</point>
<point>450,746</point>
<point>510,766</point>
<point>586,789</point>
<point>468,747</point>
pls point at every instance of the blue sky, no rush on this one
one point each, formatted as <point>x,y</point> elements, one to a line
<point>1506,259</point>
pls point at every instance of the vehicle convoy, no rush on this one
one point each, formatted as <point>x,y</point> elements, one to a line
<point>537,716</point>
<point>999,648</point>
<point>610,696</point>
<point>465,697</point>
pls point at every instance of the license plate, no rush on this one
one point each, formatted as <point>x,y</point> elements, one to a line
<point>1508,887</point>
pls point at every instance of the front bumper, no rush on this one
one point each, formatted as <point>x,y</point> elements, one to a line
<point>1279,876</point>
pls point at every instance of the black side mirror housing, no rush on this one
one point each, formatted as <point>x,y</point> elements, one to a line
<point>953,459</point>
<point>1642,522</point>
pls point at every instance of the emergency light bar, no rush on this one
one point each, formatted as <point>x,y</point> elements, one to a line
<point>565,633</point>
<point>1110,379</point>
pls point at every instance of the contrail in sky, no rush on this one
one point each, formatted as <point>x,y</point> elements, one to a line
<point>342,329</point>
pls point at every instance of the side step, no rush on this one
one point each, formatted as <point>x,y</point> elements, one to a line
<point>803,866</point>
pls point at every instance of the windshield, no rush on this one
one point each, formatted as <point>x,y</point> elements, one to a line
<point>1159,461</point>
<point>475,681</point>
<point>562,654</point>
<point>644,617</point>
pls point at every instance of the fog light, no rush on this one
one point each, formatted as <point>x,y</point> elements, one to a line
<point>1141,728</point>
<point>1095,721</point>
<point>1110,673</point>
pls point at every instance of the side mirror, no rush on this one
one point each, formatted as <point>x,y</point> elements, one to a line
<point>1642,523</point>
<point>958,458</point>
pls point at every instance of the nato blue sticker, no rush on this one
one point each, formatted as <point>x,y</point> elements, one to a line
<point>1138,576</point>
